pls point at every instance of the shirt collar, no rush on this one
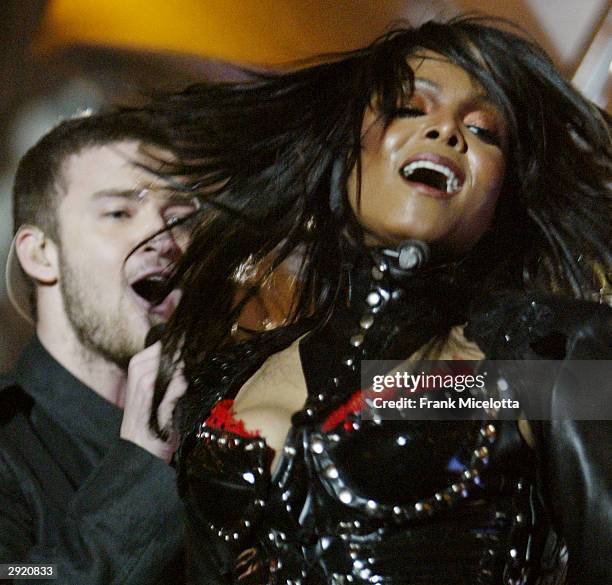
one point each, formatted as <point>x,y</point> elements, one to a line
<point>72,404</point>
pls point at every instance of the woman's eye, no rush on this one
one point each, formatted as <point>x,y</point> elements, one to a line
<point>409,112</point>
<point>486,135</point>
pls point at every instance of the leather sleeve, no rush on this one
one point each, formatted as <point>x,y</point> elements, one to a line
<point>577,454</point>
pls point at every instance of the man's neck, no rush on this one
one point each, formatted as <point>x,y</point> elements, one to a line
<point>104,377</point>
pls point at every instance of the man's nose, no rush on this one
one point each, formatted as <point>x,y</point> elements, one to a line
<point>164,245</point>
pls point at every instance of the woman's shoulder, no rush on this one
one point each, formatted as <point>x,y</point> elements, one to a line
<point>520,325</point>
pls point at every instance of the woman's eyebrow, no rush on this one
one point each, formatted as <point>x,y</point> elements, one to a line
<point>427,83</point>
<point>480,98</point>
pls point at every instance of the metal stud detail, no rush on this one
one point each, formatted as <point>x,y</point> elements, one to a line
<point>373,299</point>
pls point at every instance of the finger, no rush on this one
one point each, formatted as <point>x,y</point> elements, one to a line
<point>176,389</point>
<point>147,354</point>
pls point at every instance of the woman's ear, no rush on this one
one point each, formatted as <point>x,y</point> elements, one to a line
<point>38,254</point>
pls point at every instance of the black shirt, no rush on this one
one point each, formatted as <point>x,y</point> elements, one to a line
<point>72,492</point>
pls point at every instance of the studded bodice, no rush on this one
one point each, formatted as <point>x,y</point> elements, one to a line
<point>354,500</point>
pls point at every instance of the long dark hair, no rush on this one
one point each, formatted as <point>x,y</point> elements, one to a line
<point>270,158</point>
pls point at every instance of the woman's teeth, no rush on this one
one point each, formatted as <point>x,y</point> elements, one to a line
<point>433,174</point>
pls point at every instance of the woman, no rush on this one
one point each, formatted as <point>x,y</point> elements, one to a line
<point>417,179</point>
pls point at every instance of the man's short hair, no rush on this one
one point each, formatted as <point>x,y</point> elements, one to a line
<point>39,174</point>
<point>38,182</point>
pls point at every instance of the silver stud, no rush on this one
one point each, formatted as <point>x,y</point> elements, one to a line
<point>317,446</point>
<point>397,510</point>
<point>513,553</point>
<point>366,321</point>
<point>520,518</point>
<point>348,361</point>
<point>356,340</point>
<point>482,452</point>
<point>502,384</point>
<point>249,447</point>
<point>289,450</point>
<point>373,298</point>
<point>488,431</point>
<point>401,440</point>
<point>331,472</point>
<point>376,273</point>
<point>371,504</point>
<point>346,497</point>
<point>418,506</point>
<point>260,503</point>
<point>248,477</point>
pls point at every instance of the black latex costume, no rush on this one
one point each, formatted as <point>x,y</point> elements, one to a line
<point>400,502</point>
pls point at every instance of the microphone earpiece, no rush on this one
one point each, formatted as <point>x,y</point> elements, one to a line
<point>407,258</point>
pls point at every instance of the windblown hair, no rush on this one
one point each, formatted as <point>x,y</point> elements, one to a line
<point>270,158</point>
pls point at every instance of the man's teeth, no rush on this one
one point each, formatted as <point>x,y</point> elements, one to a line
<point>452,181</point>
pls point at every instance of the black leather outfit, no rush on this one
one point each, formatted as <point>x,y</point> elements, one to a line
<point>399,502</point>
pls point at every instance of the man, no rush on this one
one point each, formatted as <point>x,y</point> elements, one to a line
<point>84,484</point>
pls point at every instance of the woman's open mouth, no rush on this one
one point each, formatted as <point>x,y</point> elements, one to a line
<point>435,173</point>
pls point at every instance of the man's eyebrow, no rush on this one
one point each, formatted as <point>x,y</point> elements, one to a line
<point>172,197</point>
<point>118,194</point>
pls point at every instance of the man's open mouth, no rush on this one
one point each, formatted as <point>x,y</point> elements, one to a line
<point>152,288</point>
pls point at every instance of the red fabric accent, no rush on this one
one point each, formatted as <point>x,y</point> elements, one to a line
<point>222,418</point>
<point>352,406</point>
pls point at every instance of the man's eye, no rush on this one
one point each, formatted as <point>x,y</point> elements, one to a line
<point>178,216</point>
<point>486,135</point>
<point>409,112</point>
<point>173,220</point>
<point>118,214</point>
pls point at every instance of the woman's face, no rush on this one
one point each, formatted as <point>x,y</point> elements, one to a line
<point>436,171</point>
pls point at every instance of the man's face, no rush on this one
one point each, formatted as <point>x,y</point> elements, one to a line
<point>108,207</point>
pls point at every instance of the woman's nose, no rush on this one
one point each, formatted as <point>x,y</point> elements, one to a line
<point>449,133</point>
